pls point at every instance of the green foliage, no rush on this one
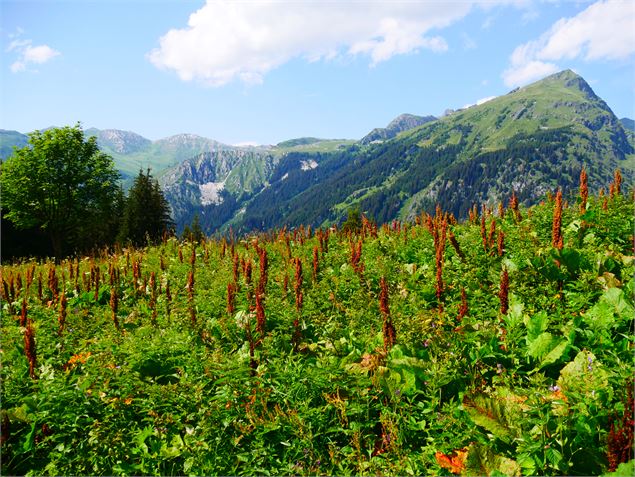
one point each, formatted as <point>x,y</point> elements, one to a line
<point>626,469</point>
<point>530,392</point>
<point>193,232</point>
<point>61,183</point>
<point>146,214</point>
<point>353,222</point>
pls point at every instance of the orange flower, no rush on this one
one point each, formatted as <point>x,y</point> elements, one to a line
<point>455,462</point>
<point>79,358</point>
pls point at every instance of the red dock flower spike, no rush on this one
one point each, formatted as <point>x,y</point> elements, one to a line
<point>463,309</point>
<point>231,298</point>
<point>29,349</point>
<point>556,229</point>
<point>503,294</point>
<point>584,190</point>
<point>388,328</point>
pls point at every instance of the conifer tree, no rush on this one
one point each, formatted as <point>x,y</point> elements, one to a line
<point>147,213</point>
<point>193,232</point>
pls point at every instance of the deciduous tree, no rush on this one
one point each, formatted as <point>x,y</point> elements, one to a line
<point>63,184</point>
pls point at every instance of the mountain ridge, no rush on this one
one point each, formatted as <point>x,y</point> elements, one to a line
<point>529,140</point>
<point>403,122</point>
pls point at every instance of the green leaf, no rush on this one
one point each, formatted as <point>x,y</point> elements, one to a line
<point>572,261</point>
<point>616,298</point>
<point>600,316</point>
<point>536,325</point>
<point>541,345</point>
<point>176,447</point>
<point>488,413</point>
<point>553,456</point>
<point>625,469</point>
<point>585,375</point>
<point>407,373</point>
<point>141,436</point>
<point>555,354</point>
<point>29,441</point>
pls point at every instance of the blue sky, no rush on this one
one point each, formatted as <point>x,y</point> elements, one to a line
<point>265,71</point>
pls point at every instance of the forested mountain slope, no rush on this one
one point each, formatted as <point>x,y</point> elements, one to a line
<point>531,140</point>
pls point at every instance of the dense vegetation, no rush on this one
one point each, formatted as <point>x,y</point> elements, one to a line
<point>64,185</point>
<point>501,345</point>
<point>146,213</point>
<point>61,195</point>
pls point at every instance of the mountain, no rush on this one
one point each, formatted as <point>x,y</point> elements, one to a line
<point>529,141</point>
<point>132,152</point>
<point>628,124</point>
<point>9,140</point>
<point>401,123</point>
<point>218,183</point>
<point>119,142</point>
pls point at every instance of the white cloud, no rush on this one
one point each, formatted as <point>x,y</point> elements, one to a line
<point>28,54</point>
<point>225,40</point>
<point>479,102</point>
<point>524,73</point>
<point>18,44</point>
<point>603,31</point>
<point>530,15</point>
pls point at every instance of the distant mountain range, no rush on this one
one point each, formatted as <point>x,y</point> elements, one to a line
<point>530,140</point>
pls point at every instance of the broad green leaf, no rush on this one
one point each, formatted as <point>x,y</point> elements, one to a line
<point>555,354</point>
<point>176,447</point>
<point>600,316</point>
<point>616,298</point>
<point>141,436</point>
<point>553,456</point>
<point>625,469</point>
<point>497,414</point>
<point>29,441</point>
<point>536,325</point>
<point>541,345</point>
<point>585,375</point>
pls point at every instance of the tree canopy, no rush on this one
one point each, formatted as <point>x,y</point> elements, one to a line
<point>193,232</point>
<point>64,185</point>
<point>147,213</point>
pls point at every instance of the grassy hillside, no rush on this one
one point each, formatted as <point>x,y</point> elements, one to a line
<point>312,145</point>
<point>489,347</point>
<point>558,101</point>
